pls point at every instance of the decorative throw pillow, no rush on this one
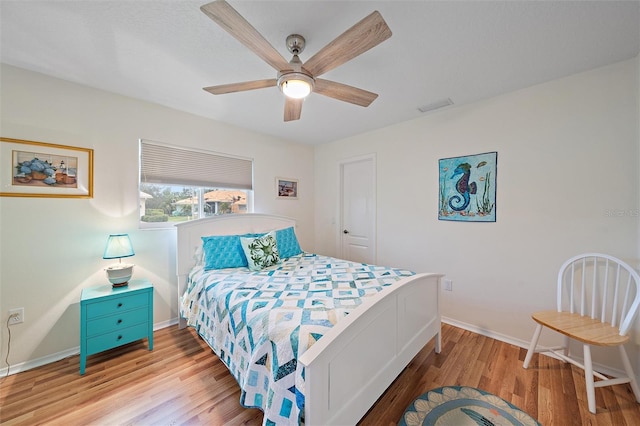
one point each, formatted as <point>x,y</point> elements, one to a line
<point>287,243</point>
<point>223,251</point>
<point>261,252</point>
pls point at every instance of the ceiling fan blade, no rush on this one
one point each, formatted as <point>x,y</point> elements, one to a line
<point>292,108</point>
<point>232,22</point>
<point>364,35</point>
<point>344,92</point>
<point>241,87</point>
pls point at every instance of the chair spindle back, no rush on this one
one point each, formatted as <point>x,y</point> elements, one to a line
<point>601,287</point>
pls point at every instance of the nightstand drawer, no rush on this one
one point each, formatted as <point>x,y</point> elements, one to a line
<point>117,304</point>
<point>116,338</point>
<point>117,321</point>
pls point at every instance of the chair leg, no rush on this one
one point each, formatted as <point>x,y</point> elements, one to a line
<point>532,346</point>
<point>565,341</point>
<point>588,376</point>
<point>630,373</point>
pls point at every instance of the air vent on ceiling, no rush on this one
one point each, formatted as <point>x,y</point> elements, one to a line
<point>436,105</point>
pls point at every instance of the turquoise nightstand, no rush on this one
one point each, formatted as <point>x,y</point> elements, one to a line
<point>111,317</point>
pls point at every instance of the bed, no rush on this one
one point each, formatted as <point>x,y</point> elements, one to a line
<point>346,351</point>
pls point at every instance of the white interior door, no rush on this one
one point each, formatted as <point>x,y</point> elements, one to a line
<point>358,230</point>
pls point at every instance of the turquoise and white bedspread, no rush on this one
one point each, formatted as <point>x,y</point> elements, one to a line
<point>259,322</point>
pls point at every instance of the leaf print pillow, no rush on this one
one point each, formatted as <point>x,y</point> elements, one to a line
<point>261,252</point>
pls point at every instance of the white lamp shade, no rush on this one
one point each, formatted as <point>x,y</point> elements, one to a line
<point>296,89</point>
<point>118,246</point>
<point>296,85</point>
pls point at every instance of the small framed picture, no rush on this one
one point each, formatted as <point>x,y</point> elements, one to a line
<point>287,188</point>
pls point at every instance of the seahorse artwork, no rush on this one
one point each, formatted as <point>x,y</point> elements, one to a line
<point>460,201</point>
<point>467,188</point>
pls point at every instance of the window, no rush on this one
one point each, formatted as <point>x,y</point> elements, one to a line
<point>179,184</point>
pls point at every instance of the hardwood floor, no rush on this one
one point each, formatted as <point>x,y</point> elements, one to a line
<point>182,382</point>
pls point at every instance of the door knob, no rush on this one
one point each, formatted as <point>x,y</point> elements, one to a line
<point>345,232</point>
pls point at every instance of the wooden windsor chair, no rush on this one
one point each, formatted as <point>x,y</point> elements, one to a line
<point>597,301</point>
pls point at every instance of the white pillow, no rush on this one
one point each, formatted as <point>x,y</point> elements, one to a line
<point>198,256</point>
<point>261,252</point>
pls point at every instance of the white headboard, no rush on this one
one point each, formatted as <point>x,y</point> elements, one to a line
<point>190,237</point>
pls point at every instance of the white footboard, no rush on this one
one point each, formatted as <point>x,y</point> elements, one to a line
<point>351,366</point>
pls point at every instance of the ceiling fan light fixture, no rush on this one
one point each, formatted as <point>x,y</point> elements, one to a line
<point>295,85</point>
<point>295,79</point>
<point>296,89</point>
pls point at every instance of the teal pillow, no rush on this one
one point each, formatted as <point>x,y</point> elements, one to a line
<point>261,252</point>
<point>224,251</point>
<point>287,243</point>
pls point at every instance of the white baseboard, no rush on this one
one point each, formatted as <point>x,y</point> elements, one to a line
<point>165,324</point>
<point>604,369</point>
<point>485,332</point>
<point>28,365</point>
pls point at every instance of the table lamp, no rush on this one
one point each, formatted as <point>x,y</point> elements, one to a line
<point>119,246</point>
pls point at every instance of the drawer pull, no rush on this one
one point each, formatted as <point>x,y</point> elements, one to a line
<point>119,321</point>
<point>120,337</point>
<point>120,305</point>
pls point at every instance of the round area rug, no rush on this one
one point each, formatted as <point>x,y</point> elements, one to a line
<point>460,406</point>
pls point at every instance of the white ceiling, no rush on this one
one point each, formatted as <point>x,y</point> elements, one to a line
<point>166,51</point>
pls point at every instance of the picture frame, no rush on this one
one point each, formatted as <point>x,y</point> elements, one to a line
<point>467,188</point>
<point>287,188</point>
<point>40,169</point>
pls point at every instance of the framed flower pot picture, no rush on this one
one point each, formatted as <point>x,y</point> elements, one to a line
<point>39,169</point>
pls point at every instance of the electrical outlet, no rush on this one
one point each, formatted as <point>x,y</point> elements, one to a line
<point>16,316</point>
<point>448,285</point>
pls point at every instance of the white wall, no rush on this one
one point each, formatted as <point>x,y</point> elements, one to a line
<point>567,154</point>
<point>51,248</point>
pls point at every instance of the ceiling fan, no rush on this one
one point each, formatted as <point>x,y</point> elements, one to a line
<point>296,79</point>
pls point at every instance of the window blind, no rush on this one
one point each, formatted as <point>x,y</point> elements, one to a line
<point>166,164</point>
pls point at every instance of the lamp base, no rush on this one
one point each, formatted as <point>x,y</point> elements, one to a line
<point>124,284</point>
<point>119,274</point>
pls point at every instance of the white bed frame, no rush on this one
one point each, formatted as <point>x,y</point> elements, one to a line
<point>355,362</point>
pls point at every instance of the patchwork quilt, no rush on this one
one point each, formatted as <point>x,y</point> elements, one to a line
<point>260,322</point>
